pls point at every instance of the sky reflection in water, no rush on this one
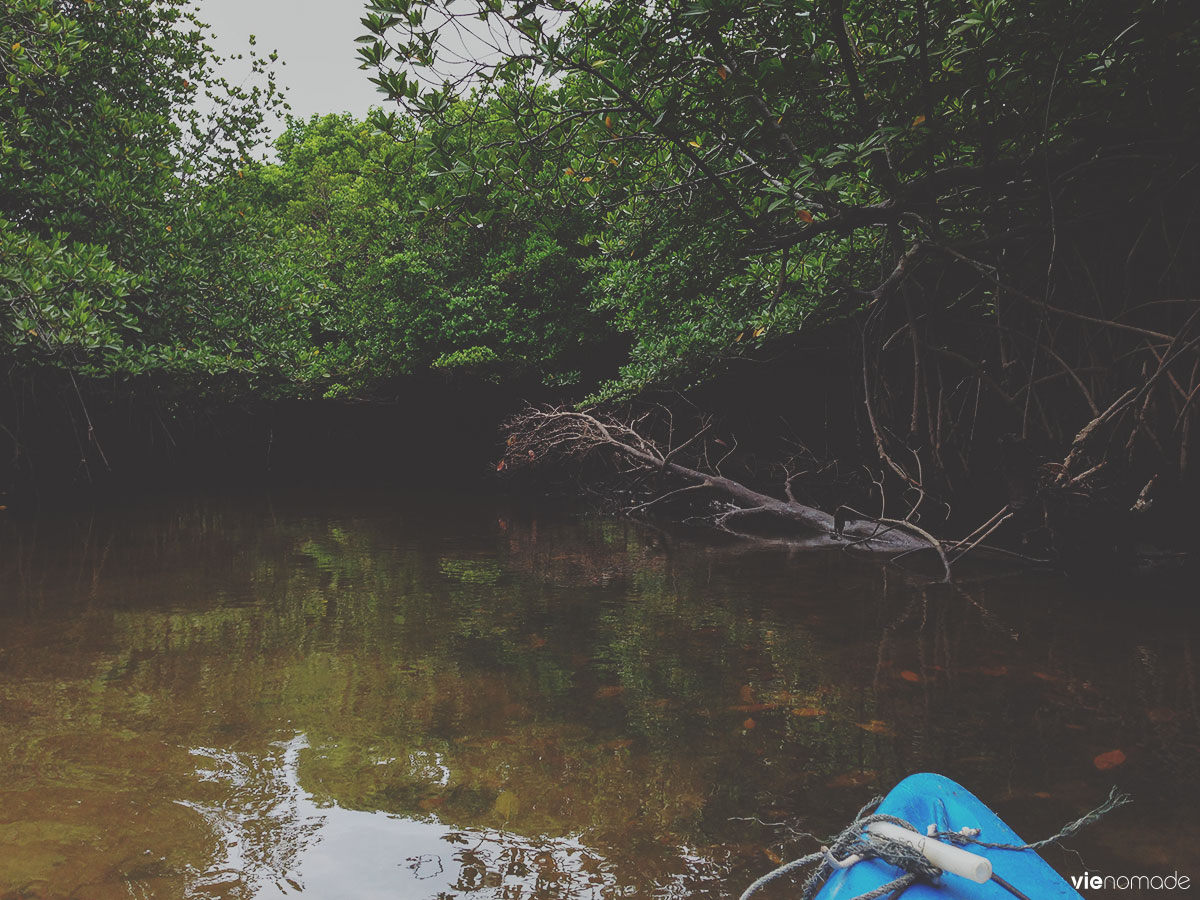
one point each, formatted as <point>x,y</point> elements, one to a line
<point>299,845</point>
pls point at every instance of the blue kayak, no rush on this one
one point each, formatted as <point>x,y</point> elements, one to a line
<point>932,799</point>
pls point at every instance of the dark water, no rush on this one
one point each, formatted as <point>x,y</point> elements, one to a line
<point>362,697</point>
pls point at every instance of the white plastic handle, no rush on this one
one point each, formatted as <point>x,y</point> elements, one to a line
<point>946,857</point>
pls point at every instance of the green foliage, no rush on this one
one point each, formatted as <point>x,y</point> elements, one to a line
<point>698,178</point>
<point>394,283</point>
<point>469,357</point>
<point>748,169</point>
<point>116,237</point>
<point>65,298</point>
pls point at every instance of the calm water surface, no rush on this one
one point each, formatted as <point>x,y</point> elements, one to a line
<point>397,697</point>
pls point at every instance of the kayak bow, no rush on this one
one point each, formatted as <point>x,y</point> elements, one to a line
<point>933,800</point>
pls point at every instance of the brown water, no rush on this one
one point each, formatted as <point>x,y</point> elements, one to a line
<point>389,697</point>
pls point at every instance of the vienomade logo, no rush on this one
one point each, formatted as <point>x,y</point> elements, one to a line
<point>1174,882</point>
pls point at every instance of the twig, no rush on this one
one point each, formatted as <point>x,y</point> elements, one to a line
<point>993,518</point>
<point>933,542</point>
<point>967,549</point>
<point>683,490</point>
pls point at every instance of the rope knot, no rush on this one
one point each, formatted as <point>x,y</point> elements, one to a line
<point>855,844</point>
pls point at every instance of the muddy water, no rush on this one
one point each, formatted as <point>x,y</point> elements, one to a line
<point>391,697</point>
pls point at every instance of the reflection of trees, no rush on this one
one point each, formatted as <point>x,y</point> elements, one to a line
<point>537,682</point>
<point>258,817</point>
<point>272,834</point>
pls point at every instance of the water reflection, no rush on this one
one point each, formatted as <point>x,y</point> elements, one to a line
<point>362,697</point>
<point>276,839</point>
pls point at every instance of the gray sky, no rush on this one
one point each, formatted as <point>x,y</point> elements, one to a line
<point>314,37</point>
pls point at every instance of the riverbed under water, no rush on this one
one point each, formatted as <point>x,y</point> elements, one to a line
<point>355,696</point>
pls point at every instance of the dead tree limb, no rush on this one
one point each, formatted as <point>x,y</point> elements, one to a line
<point>543,435</point>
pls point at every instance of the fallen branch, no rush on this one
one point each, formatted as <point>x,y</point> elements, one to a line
<point>541,435</point>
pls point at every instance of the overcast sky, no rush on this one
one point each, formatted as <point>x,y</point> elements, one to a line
<point>314,37</point>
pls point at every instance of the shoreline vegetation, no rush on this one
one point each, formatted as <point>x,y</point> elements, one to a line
<point>919,279</point>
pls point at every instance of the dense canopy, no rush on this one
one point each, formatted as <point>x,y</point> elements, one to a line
<point>984,208</point>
